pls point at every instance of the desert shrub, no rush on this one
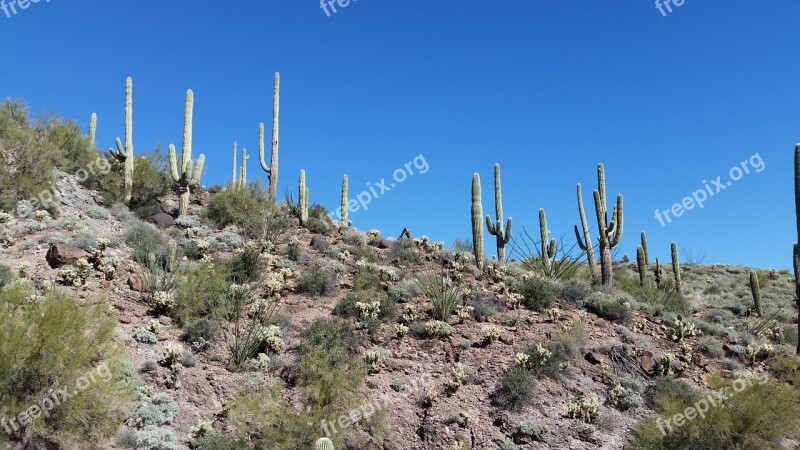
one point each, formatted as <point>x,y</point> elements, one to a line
<point>321,282</point>
<point>663,298</point>
<point>564,265</point>
<point>331,332</point>
<point>145,239</point>
<point>58,342</point>
<point>145,336</point>
<point>148,366</point>
<point>318,226</point>
<point>201,331</point>
<point>246,265</point>
<point>758,416</point>
<point>670,389</point>
<point>245,208</point>
<point>443,293</point>
<point>6,276</point>
<point>201,293</point>
<point>364,279</point>
<point>150,182</point>
<point>404,250</point>
<point>711,347</point>
<point>462,245</point>
<point>572,291</point>
<point>538,294</point>
<point>216,441</point>
<point>154,409</point>
<point>608,308</point>
<point>516,389</point>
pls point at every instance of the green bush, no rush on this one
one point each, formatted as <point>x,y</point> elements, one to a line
<point>246,265</point>
<point>218,442</point>
<point>516,389</point>
<point>318,226</point>
<point>331,332</point>
<point>201,293</point>
<point>6,276</point>
<point>321,282</point>
<point>144,239</point>
<point>404,250</point>
<point>245,208</point>
<point>538,294</point>
<point>151,182</point>
<point>57,342</point>
<point>202,330</point>
<point>608,308</point>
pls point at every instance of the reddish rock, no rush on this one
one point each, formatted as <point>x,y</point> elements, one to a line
<point>203,198</point>
<point>137,282</point>
<point>162,220</point>
<point>61,254</point>
<point>648,362</point>
<point>594,358</point>
<point>506,338</point>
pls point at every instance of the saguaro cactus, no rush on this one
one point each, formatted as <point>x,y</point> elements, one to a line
<point>172,252</point>
<point>183,174</point>
<point>323,444</point>
<point>548,245</point>
<point>125,155</point>
<point>585,241</point>
<point>345,221</point>
<point>676,269</point>
<point>756,290</point>
<point>243,170</point>
<point>272,168</point>
<point>657,273</point>
<point>233,173</point>
<point>796,248</point>
<point>641,262</point>
<point>477,221</point>
<point>497,230</point>
<point>644,247</point>
<point>303,194</point>
<point>610,233</point>
<point>92,131</point>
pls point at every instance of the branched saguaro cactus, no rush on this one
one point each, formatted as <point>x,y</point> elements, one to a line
<point>641,262</point>
<point>235,159</point>
<point>183,173</point>
<point>644,247</point>
<point>548,249</point>
<point>796,248</point>
<point>477,221</point>
<point>610,233</point>
<point>497,230</point>
<point>92,131</point>
<point>345,221</point>
<point>585,241</point>
<point>756,290</point>
<point>125,154</point>
<point>676,269</point>
<point>323,444</point>
<point>303,195</point>
<point>272,168</point>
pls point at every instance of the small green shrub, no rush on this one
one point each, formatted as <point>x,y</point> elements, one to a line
<point>202,330</point>
<point>145,336</point>
<point>245,208</point>
<point>201,293</point>
<point>145,239</point>
<point>6,275</point>
<point>516,389</point>
<point>405,250</point>
<point>246,265</point>
<point>320,282</point>
<point>335,333</point>
<point>151,182</point>
<point>538,294</point>
<point>608,308</point>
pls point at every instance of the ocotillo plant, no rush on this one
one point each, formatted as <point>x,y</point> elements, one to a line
<point>477,221</point>
<point>272,168</point>
<point>345,221</point>
<point>548,249</point>
<point>183,174</point>
<point>303,195</point>
<point>92,131</point>
<point>497,230</point>
<point>756,290</point>
<point>610,233</point>
<point>585,241</point>
<point>644,247</point>
<point>323,444</point>
<point>676,269</point>
<point>641,262</point>
<point>235,158</point>
<point>125,155</point>
<point>796,248</point>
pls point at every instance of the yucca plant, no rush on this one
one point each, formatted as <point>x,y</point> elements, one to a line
<point>443,293</point>
<point>564,265</point>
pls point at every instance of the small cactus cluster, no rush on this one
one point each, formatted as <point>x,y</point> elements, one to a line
<point>585,409</point>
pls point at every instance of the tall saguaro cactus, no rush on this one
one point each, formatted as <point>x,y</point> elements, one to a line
<point>676,269</point>
<point>610,233</point>
<point>235,158</point>
<point>345,221</point>
<point>92,131</point>
<point>125,155</point>
<point>497,230</point>
<point>641,263</point>
<point>796,248</point>
<point>548,245</point>
<point>585,241</point>
<point>303,194</point>
<point>756,290</point>
<point>272,168</point>
<point>243,170</point>
<point>644,248</point>
<point>477,221</point>
<point>183,174</point>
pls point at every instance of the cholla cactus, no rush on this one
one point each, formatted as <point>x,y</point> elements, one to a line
<point>154,326</point>
<point>680,329</point>
<point>70,276</point>
<point>521,360</point>
<point>410,314</point>
<point>7,238</point>
<point>203,428</point>
<point>270,336</point>
<point>183,174</point>
<point>400,330</point>
<point>464,312</point>
<point>490,333</point>
<point>553,313</point>
<point>164,301</point>
<point>274,284</point>
<point>376,359</point>
<point>514,300</point>
<point>343,256</point>
<point>23,269</point>
<point>762,351</point>
<point>172,355</point>
<point>585,409</point>
<point>459,376</point>
<point>437,328</point>
<point>42,215</point>
<point>261,363</point>
<point>664,364</point>
<point>125,155</point>
<point>323,444</point>
<point>368,310</point>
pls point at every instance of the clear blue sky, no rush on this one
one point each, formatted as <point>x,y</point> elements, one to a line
<point>546,88</point>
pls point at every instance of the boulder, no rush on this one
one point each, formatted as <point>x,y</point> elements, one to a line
<point>137,281</point>
<point>162,220</point>
<point>62,254</point>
